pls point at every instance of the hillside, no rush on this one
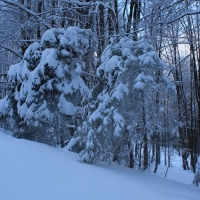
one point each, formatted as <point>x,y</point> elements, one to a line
<point>34,171</point>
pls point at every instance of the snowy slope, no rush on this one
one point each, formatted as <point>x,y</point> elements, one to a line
<point>34,171</point>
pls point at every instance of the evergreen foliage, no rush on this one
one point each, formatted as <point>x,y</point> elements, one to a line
<point>45,89</point>
<point>35,87</point>
<point>125,112</point>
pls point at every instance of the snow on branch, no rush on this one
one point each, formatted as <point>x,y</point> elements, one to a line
<point>11,50</point>
<point>19,5</point>
<point>194,12</point>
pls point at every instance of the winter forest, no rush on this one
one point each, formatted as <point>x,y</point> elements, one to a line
<point>113,80</point>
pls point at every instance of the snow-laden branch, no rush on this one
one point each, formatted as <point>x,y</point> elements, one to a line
<point>94,5</point>
<point>22,7</point>
<point>11,50</point>
<point>194,12</point>
<point>83,72</point>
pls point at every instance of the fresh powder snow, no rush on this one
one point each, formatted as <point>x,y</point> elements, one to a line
<point>35,171</point>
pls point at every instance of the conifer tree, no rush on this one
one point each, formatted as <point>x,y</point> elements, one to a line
<point>121,108</point>
<point>48,88</point>
<point>102,119</point>
<point>24,98</point>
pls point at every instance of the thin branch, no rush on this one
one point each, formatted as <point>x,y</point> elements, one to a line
<point>194,12</point>
<point>11,50</point>
<point>22,7</point>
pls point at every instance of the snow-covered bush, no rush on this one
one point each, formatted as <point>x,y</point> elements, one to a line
<point>46,87</point>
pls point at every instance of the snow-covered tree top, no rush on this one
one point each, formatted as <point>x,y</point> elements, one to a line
<point>31,51</point>
<point>125,53</point>
<point>47,80</point>
<point>73,39</point>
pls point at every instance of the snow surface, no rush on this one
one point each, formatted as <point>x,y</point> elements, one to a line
<point>34,171</point>
<point>49,36</point>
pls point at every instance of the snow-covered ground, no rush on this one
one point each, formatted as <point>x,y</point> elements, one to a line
<point>34,171</point>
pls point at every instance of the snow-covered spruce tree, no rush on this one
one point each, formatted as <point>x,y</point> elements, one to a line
<point>12,94</point>
<point>102,119</point>
<point>19,81</point>
<point>17,86</point>
<point>142,108</point>
<point>23,94</point>
<point>121,108</point>
<point>8,105</point>
<point>57,85</point>
<point>51,88</point>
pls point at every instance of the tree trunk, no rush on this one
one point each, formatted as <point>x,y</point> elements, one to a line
<point>136,18</point>
<point>145,152</point>
<point>131,158</point>
<point>157,152</point>
<point>40,6</point>
<point>101,30</point>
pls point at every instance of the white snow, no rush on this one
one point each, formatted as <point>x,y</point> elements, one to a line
<point>112,63</point>
<point>72,142</point>
<point>119,92</point>
<point>13,70</point>
<point>22,109</point>
<point>144,77</point>
<point>66,107</point>
<point>31,50</point>
<point>119,124</point>
<point>95,115</point>
<point>44,112</point>
<point>34,171</point>
<point>126,52</point>
<point>106,55</point>
<point>144,45</point>
<point>48,36</point>
<point>49,57</point>
<point>145,59</point>
<point>141,80</point>
<point>139,85</point>
<point>78,69</point>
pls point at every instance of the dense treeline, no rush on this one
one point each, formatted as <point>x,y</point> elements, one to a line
<point>129,106</point>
